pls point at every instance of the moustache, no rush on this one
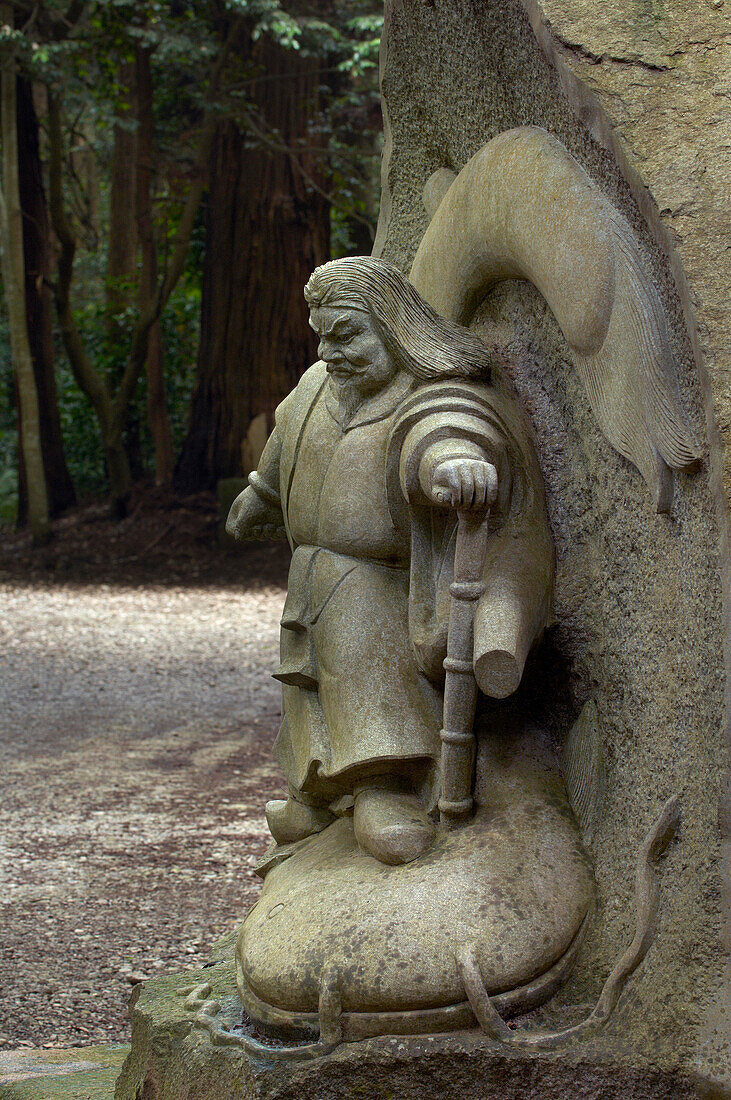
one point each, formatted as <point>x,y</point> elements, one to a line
<point>345,370</point>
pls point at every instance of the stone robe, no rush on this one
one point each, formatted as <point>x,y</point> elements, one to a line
<point>365,621</point>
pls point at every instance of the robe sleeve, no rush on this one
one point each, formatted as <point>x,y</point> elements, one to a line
<point>260,511</point>
<point>461,419</point>
<point>256,513</point>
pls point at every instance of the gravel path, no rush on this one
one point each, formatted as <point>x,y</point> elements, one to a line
<point>135,744</point>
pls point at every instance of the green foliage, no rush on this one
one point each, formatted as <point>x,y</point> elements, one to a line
<point>80,432</point>
<point>348,130</point>
<point>180,333</point>
<point>180,328</point>
<point>364,33</point>
<point>184,38</point>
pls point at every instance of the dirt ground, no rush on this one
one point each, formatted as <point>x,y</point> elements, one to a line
<point>136,722</point>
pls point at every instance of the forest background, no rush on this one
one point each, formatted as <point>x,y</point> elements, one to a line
<point>172,172</point>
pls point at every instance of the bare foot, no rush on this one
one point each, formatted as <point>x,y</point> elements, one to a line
<point>391,825</point>
<point>292,820</point>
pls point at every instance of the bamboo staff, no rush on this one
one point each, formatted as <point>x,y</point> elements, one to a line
<point>460,688</point>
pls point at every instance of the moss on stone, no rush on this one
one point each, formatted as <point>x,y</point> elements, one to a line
<point>83,1073</point>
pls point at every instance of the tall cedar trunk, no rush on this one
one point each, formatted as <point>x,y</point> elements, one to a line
<point>266,229</point>
<point>122,250</point>
<point>121,277</point>
<point>157,413</point>
<point>39,313</point>
<point>13,270</point>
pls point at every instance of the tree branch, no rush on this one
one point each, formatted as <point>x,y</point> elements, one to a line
<point>66,23</point>
<point>86,377</point>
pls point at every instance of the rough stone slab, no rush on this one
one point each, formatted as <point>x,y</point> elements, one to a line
<point>173,1060</point>
<point>653,87</point>
<point>637,97</point>
<point>82,1073</point>
<point>423,1070</point>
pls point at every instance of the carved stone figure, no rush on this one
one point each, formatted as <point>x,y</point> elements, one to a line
<point>414,883</point>
<point>412,498</point>
<point>371,455</point>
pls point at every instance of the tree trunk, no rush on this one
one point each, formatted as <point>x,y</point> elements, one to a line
<point>13,268</point>
<point>122,250</point>
<point>39,313</point>
<point>157,413</point>
<point>267,227</point>
<point>121,276</point>
<point>118,471</point>
<point>111,405</point>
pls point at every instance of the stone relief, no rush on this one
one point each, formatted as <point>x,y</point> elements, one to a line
<point>428,870</point>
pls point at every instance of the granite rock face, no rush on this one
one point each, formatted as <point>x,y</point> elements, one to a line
<point>639,100</point>
<point>652,83</point>
<point>648,84</point>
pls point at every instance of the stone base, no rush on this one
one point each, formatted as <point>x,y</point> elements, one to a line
<point>173,1058</point>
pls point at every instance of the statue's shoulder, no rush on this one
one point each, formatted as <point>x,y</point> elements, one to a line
<point>449,396</point>
<point>460,408</point>
<point>299,400</point>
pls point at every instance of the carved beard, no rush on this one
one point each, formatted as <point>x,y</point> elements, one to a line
<point>349,396</point>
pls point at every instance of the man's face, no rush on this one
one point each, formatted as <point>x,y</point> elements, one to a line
<point>356,358</point>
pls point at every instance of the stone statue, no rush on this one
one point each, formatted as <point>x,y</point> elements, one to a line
<point>422,569</point>
<point>373,456</point>
<point>427,870</point>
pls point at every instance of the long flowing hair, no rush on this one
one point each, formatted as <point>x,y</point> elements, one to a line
<point>420,341</point>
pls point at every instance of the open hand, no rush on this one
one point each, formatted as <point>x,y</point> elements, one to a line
<point>464,483</point>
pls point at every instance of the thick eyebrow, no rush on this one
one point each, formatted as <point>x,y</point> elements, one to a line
<point>339,323</point>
